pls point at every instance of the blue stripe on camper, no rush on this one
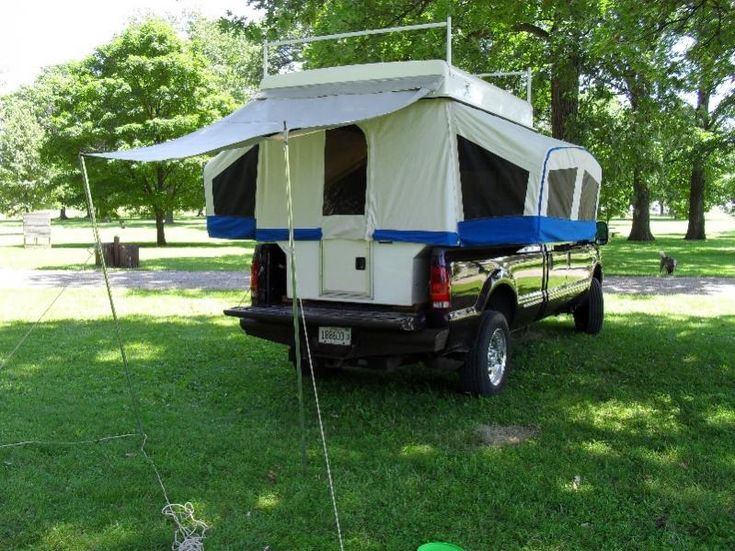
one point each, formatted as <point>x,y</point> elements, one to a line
<point>553,230</point>
<point>524,230</point>
<point>231,227</point>
<point>281,234</point>
<point>415,236</point>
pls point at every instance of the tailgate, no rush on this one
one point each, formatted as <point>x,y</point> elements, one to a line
<point>379,319</point>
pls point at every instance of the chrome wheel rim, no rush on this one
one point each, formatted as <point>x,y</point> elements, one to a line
<point>497,354</point>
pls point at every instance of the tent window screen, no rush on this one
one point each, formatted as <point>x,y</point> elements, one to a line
<point>561,192</point>
<point>233,189</point>
<point>491,186</point>
<point>345,171</point>
<point>588,198</point>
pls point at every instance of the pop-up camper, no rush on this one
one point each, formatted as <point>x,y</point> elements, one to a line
<point>429,217</point>
<point>388,160</point>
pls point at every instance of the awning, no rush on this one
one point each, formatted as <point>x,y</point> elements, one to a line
<point>301,108</point>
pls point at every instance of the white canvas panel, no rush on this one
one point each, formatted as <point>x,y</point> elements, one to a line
<point>569,156</point>
<point>214,167</point>
<point>411,174</point>
<point>344,226</point>
<point>523,147</point>
<point>306,157</point>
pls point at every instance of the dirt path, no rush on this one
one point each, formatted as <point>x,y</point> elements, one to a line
<point>669,285</point>
<point>170,279</point>
<point>130,279</point>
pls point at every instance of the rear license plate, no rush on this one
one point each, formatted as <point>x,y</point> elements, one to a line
<point>341,336</point>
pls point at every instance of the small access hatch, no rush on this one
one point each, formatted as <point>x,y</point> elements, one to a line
<point>346,267</point>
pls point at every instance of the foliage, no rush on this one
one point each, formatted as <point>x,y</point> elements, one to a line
<point>234,61</point>
<point>145,87</point>
<point>24,178</point>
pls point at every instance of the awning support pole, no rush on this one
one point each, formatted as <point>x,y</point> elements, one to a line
<point>294,297</point>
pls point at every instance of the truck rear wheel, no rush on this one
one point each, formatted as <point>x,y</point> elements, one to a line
<point>588,316</point>
<point>488,363</point>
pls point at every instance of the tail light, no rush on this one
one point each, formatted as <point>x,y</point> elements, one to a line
<point>441,283</point>
<point>254,272</point>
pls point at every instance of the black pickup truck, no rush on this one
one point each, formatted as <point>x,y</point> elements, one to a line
<point>475,298</point>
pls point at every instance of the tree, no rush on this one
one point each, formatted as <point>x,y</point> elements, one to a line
<point>145,87</point>
<point>550,37</point>
<point>709,64</point>
<point>636,65</point>
<point>234,60</point>
<point>24,179</point>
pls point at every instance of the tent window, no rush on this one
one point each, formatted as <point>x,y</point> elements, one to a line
<point>561,192</point>
<point>345,171</point>
<point>491,186</point>
<point>588,198</point>
<point>233,189</point>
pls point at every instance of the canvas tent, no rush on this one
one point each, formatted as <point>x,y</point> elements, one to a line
<point>416,153</point>
<point>450,169</point>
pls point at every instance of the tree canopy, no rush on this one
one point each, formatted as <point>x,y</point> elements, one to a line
<point>145,87</point>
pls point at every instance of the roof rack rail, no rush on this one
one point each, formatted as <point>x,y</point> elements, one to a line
<point>526,73</point>
<point>447,24</point>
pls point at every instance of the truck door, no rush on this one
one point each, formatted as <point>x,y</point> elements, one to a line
<point>527,268</point>
<point>558,275</point>
<point>346,259</point>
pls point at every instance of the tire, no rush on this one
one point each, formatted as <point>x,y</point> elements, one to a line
<point>488,363</point>
<point>589,315</point>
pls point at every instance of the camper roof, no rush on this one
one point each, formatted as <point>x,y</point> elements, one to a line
<point>453,83</point>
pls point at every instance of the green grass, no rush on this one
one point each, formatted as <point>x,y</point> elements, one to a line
<point>713,257</point>
<point>644,414</point>
<point>189,247</point>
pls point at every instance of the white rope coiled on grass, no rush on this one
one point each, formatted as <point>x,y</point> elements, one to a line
<point>189,534</point>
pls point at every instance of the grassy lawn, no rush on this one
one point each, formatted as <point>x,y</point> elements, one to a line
<point>190,248</point>
<point>713,257</point>
<point>635,447</point>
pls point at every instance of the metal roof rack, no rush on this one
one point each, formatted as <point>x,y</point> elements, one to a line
<point>447,24</point>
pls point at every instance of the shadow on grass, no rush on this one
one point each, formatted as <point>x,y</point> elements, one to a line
<point>635,446</point>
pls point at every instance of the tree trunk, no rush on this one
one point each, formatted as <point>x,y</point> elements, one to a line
<point>565,97</point>
<point>170,216</point>
<point>160,233</point>
<point>62,213</point>
<point>695,229</point>
<point>641,229</point>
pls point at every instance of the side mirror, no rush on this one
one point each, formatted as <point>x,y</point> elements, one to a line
<point>601,234</point>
